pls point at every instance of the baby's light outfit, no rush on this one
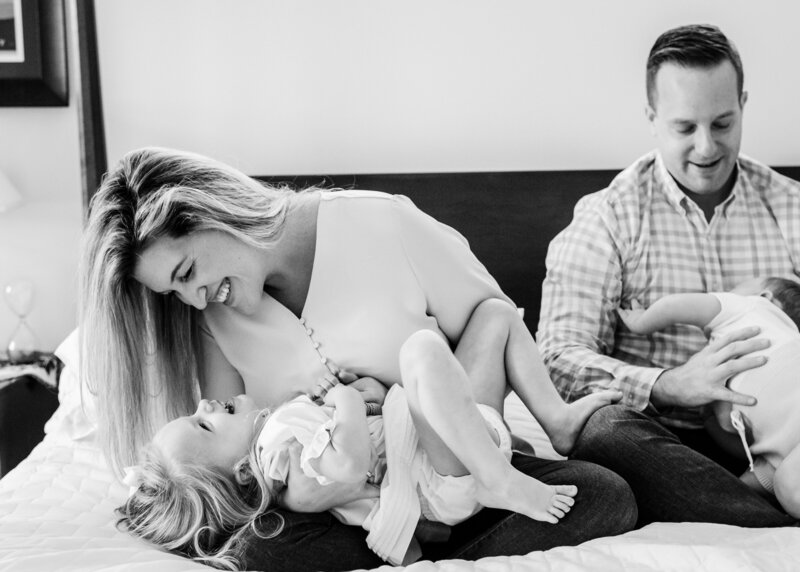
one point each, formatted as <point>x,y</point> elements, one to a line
<point>774,419</point>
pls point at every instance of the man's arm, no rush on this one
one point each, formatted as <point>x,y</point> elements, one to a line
<point>580,296</point>
<point>577,329</point>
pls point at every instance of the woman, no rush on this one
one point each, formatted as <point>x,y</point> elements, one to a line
<point>192,270</point>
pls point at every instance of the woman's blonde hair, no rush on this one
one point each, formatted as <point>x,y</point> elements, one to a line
<point>140,351</point>
<point>199,511</point>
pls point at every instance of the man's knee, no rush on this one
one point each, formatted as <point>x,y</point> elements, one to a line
<point>614,496</point>
<point>605,425</point>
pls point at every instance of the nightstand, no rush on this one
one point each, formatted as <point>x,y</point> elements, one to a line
<point>26,404</point>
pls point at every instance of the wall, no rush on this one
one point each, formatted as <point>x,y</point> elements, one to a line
<point>312,86</point>
<point>423,85</point>
<point>39,151</point>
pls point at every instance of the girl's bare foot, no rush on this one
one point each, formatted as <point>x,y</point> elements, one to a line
<point>564,429</point>
<point>528,496</point>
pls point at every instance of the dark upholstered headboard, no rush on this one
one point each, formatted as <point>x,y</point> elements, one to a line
<point>509,218</point>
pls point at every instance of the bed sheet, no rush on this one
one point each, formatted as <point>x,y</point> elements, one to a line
<point>56,513</point>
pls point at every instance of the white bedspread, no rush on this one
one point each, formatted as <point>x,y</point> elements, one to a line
<point>56,513</point>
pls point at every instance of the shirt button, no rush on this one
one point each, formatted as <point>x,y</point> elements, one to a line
<point>323,360</point>
<point>316,345</point>
<point>302,321</point>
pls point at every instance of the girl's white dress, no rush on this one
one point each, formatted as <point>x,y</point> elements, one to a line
<point>411,489</point>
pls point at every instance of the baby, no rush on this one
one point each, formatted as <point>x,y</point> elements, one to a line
<point>773,305</point>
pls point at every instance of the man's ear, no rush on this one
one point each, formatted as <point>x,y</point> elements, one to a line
<point>767,294</point>
<point>650,113</point>
<point>743,99</point>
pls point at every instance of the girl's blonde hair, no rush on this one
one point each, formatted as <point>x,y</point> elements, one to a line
<point>199,511</point>
<point>140,351</point>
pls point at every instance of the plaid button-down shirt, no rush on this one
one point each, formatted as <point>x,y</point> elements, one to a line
<point>640,239</point>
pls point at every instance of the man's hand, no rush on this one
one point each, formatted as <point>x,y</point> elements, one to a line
<point>304,494</point>
<point>703,378</point>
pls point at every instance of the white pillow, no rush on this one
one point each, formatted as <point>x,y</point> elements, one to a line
<point>76,415</point>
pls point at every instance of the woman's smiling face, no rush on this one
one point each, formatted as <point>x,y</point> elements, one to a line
<point>204,267</point>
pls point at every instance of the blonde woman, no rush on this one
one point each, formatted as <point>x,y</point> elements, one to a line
<point>197,280</point>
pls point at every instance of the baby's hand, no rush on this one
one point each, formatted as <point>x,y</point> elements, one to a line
<point>631,316</point>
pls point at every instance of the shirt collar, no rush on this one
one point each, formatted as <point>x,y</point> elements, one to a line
<point>678,199</point>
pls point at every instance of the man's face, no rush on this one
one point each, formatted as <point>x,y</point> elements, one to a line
<point>697,123</point>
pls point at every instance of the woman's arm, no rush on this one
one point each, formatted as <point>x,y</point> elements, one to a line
<point>696,309</point>
<point>348,456</point>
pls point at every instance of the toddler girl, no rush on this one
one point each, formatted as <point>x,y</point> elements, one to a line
<point>439,452</point>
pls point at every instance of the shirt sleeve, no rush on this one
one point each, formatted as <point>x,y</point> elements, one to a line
<point>453,280</point>
<point>580,296</point>
<point>297,420</point>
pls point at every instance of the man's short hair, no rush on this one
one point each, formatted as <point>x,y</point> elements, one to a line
<point>693,46</point>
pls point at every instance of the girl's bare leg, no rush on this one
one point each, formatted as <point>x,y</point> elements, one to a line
<point>496,348</point>
<point>453,432</point>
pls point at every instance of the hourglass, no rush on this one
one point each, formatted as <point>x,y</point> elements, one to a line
<point>22,344</point>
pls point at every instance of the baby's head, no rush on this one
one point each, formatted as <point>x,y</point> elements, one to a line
<point>783,292</point>
<point>195,488</point>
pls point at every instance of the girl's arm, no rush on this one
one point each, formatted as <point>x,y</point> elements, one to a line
<point>696,309</point>
<point>787,488</point>
<point>305,494</point>
<point>348,456</point>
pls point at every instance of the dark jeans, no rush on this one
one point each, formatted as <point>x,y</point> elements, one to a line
<point>671,481</point>
<point>604,506</point>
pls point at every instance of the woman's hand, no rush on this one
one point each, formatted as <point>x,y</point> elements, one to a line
<point>372,390</point>
<point>304,494</point>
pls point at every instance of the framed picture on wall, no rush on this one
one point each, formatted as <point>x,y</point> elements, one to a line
<point>33,57</point>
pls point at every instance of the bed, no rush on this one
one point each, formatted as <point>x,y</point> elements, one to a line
<point>56,506</point>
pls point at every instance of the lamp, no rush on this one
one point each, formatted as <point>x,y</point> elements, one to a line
<point>9,195</point>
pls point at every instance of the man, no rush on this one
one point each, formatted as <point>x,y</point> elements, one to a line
<point>692,216</point>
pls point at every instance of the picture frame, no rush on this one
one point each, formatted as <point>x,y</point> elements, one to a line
<point>33,56</point>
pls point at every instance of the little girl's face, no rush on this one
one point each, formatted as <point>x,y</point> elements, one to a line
<point>218,434</point>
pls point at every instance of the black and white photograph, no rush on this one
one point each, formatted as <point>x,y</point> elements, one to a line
<point>435,286</point>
